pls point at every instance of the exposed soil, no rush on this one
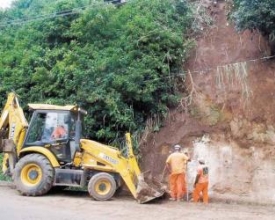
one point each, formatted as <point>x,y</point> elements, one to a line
<point>228,115</point>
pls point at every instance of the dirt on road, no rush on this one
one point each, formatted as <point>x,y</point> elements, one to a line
<point>77,205</point>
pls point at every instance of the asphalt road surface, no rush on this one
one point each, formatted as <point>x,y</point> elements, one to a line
<point>73,205</point>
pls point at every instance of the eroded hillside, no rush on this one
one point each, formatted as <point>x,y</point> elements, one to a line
<point>228,116</point>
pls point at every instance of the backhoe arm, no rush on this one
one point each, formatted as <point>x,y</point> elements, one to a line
<point>13,126</point>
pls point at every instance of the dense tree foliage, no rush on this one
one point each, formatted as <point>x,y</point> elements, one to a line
<point>256,15</point>
<point>118,62</point>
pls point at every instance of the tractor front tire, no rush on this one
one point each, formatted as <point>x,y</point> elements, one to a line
<point>33,175</point>
<point>102,186</point>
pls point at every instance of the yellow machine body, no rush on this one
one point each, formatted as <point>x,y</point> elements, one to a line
<point>38,164</point>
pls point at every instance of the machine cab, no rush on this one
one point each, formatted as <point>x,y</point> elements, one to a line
<point>54,129</point>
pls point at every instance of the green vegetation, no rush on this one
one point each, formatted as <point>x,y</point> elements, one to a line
<point>256,15</point>
<point>2,176</point>
<point>118,62</point>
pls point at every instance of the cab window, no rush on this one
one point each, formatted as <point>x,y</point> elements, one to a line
<point>48,126</point>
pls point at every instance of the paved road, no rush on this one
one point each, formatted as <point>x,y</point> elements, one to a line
<point>71,205</point>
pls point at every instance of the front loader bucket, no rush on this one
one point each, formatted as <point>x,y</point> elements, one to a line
<point>144,187</point>
<point>149,188</point>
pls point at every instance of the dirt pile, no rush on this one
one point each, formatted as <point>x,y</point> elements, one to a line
<point>231,118</point>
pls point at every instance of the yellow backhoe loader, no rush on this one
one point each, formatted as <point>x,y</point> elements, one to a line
<point>49,151</point>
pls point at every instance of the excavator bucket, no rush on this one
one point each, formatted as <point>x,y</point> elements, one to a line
<point>1,145</point>
<point>3,134</point>
<point>1,140</point>
<point>149,188</point>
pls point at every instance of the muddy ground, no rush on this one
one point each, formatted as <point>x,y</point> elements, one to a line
<point>77,205</point>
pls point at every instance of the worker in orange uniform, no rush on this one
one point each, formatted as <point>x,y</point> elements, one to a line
<point>176,165</point>
<point>201,182</point>
<point>59,132</point>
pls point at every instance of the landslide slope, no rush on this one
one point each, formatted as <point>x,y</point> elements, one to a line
<point>228,115</point>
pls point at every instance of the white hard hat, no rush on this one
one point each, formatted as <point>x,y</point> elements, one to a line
<point>177,147</point>
<point>201,160</point>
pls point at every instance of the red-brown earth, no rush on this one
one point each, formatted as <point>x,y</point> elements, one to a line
<point>227,116</point>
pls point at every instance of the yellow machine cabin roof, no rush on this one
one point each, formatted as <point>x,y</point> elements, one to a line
<point>52,107</point>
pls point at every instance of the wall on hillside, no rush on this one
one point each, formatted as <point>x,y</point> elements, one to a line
<point>231,121</point>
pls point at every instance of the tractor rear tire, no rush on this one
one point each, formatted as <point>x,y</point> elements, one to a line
<point>33,175</point>
<point>102,186</point>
